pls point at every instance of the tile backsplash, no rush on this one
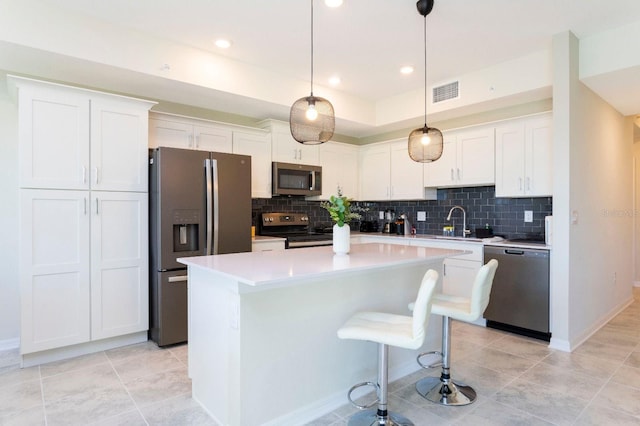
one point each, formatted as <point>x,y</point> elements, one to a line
<point>504,215</point>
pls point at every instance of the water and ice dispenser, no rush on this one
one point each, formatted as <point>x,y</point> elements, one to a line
<point>186,230</point>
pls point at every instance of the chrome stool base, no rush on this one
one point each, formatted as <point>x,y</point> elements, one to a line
<point>435,390</point>
<point>371,418</point>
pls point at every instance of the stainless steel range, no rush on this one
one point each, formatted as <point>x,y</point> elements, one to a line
<point>295,228</point>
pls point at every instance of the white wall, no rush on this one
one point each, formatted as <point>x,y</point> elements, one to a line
<point>9,289</point>
<point>593,180</point>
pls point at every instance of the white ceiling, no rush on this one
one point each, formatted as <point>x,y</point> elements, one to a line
<point>365,42</point>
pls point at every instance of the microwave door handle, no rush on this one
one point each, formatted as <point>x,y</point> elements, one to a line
<point>209,212</point>
<point>313,180</point>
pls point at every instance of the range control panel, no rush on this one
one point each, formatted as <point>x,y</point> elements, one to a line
<point>284,219</point>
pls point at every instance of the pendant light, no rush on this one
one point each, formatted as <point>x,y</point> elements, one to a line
<point>312,119</point>
<point>425,143</point>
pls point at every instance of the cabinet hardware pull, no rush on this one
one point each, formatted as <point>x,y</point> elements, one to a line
<point>97,206</point>
<point>197,141</point>
<point>178,278</point>
<point>85,205</point>
<point>84,174</point>
<point>190,137</point>
<point>452,178</point>
<point>458,169</point>
<point>300,154</point>
<point>520,184</point>
<point>528,184</point>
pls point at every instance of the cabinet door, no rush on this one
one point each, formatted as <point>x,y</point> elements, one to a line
<point>54,269</point>
<point>407,181</point>
<point>172,134</point>
<point>119,152</point>
<point>119,264</point>
<point>54,139</point>
<point>476,157</point>
<point>288,150</point>
<point>442,172</point>
<point>210,138</point>
<point>258,146</point>
<point>339,169</point>
<point>458,276</point>
<point>510,154</point>
<point>538,157</point>
<point>375,172</point>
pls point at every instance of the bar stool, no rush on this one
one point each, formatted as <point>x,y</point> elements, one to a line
<point>389,330</point>
<point>444,390</point>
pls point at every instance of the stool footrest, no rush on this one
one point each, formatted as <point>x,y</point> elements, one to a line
<point>359,385</point>
<point>434,365</point>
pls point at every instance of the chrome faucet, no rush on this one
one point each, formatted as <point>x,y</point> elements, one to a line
<point>465,231</point>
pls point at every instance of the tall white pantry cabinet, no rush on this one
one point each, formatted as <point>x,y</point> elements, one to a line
<point>83,218</point>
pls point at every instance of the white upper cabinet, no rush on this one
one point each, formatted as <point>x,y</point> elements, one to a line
<point>339,163</point>
<point>54,138</point>
<point>286,149</point>
<point>388,173</point>
<point>468,159</point>
<point>375,172</point>
<point>185,133</point>
<point>258,146</point>
<point>406,175</point>
<point>523,157</point>
<point>79,139</point>
<point>119,155</point>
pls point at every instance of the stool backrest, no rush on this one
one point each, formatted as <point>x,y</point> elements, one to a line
<point>482,288</point>
<point>422,307</point>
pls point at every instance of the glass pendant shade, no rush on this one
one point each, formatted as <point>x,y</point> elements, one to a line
<point>425,144</point>
<point>312,120</point>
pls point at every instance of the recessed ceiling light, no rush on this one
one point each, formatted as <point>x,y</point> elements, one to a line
<point>334,81</point>
<point>333,3</point>
<point>223,43</point>
<point>408,69</point>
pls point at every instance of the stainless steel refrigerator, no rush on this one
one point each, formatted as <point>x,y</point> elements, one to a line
<point>200,204</point>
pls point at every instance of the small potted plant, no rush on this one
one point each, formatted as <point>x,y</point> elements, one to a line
<point>340,210</point>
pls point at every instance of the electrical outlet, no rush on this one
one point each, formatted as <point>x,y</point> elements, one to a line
<point>422,216</point>
<point>381,215</point>
<point>528,215</point>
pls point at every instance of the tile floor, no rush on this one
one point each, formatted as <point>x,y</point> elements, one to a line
<point>519,381</point>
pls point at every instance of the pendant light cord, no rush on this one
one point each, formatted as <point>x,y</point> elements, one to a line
<point>312,47</point>
<point>425,70</point>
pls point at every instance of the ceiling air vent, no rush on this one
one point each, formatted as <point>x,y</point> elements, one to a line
<point>445,92</point>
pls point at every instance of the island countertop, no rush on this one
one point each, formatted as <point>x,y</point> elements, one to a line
<point>276,268</point>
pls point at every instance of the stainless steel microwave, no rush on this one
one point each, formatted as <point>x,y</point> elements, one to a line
<point>296,179</point>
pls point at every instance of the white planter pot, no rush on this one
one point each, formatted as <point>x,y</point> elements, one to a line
<point>341,239</point>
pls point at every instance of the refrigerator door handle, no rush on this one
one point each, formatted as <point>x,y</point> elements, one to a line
<point>216,212</point>
<point>209,181</point>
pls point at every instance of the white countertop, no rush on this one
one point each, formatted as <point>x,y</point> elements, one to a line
<point>273,267</point>
<point>469,240</point>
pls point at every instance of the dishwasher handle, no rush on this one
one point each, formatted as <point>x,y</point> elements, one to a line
<point>514,252</point>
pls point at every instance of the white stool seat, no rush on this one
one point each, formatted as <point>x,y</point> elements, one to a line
<point>389,329</point>
<point>456,307</point>
<point>386,329</point>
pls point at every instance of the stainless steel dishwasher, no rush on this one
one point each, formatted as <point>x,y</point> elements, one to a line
<point>519,300</point>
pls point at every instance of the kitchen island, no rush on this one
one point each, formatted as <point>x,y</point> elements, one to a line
<point>262,327</point>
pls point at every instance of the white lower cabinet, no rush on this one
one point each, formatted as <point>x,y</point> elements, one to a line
<point>54,269</point>
<point>268,244</point>
<point>83,266</point>
<point>119,264</point>
<point>459,271</point>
